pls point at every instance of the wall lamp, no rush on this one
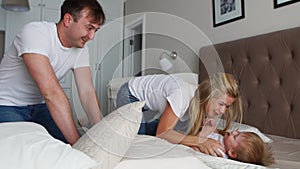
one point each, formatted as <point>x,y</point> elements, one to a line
<point>164,62</point>
<point>15,5</point>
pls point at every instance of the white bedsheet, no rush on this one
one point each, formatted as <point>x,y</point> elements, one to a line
<point>166,163</point>
<point>286,152</point>
<point>152,152</point>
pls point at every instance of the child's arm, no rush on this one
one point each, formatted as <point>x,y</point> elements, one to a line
<point>209,126</point>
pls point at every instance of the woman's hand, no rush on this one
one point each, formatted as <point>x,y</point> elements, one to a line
<point>210,147</point>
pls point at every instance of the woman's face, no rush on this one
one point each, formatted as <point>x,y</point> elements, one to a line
<point>218,105</point>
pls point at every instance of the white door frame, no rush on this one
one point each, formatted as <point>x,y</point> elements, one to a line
<point>129,31</point>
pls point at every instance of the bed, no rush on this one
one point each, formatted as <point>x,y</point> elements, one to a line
<point>266,67</point>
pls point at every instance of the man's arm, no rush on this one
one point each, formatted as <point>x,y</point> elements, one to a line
<point>87,94</point>
<point>57,102</point>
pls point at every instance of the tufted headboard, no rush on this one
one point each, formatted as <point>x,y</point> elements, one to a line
<point>267,68</point>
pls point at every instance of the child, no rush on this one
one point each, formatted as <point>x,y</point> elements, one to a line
<point>241,146</point>
<point>245,147</point>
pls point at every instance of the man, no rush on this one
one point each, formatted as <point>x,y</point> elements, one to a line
<point>41,54</point>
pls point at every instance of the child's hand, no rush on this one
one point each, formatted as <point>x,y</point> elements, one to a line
<point>209,126</point>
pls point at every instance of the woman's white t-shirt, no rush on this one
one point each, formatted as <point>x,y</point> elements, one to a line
<point>17,87</point>
<point>156,90</point>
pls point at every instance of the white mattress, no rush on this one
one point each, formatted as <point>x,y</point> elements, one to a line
<point>286,152</point>
<point>152,152</point>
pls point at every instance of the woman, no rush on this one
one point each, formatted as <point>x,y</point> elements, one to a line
<point>182,108</point>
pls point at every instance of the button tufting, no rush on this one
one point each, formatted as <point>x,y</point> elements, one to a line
<point>270,57</point>
<point>247,59</point>
<point>257,81</point>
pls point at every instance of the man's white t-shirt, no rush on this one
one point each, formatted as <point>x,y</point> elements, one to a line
<point>17,87</point>
<point>156,90</point>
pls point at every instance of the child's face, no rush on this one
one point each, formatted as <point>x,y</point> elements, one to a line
<point>232,140</point>
<point>219,105</point>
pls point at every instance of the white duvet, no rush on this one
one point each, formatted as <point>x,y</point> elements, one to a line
<point>149,152</point>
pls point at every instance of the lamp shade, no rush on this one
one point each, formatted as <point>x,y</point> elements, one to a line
<point>15,5</point>
<point>165,64</point>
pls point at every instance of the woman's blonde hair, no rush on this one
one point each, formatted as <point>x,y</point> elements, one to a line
<point>216,84</point>
<point>253,150</point>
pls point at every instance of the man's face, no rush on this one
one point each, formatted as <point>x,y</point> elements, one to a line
<point>82,31</point>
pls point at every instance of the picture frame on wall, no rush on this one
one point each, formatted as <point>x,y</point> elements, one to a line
<point>280,3</point>
<point>226,11</point>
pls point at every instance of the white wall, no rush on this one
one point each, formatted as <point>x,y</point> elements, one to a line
<point>260,17</point>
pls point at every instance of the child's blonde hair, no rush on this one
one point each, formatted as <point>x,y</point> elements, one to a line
<point>252,149</point>
<point>216,84</point>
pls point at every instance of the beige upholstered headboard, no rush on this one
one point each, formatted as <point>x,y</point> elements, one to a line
<point>267,68</point>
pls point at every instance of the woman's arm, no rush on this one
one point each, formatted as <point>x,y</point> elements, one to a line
<point>167,122</point>
<point>204,145</point>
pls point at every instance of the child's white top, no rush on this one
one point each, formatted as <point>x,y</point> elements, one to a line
<point>218,137</point>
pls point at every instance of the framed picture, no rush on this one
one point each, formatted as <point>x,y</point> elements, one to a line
<point>280,3</point>
<point>225,11</point>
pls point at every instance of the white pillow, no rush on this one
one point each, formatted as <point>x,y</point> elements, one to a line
<point>109,140</point>
<point>243,127</point>
<point>27,145</point>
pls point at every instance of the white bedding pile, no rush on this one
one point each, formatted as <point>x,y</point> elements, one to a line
<point>108,140</point>
<point>29,146</point>
<point>26,145</point>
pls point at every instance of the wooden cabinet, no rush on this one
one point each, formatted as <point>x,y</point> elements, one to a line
<point>106,50</point>
<point>108,59</point>
<point>47,10</point>
<point>2,19</point>
<point>40,10</point>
